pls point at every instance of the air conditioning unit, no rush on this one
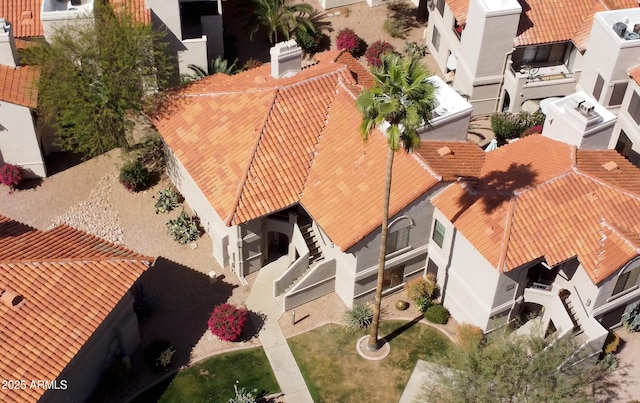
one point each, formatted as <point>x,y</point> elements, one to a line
<point>630,36</point>
<point>620,28</point>
<point>585,107</point>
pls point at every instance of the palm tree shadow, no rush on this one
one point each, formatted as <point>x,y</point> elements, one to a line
<point>494,188</point>
<point>397,332</point>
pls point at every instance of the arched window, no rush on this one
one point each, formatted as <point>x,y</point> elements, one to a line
<point>398,235</point>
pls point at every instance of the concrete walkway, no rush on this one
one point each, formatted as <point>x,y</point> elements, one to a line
<point>275,345</point>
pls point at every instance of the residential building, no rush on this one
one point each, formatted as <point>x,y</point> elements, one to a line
<point>65,311</point>
<point>543,225</point>
<point>626,133</point>
<point>20,136</point>
<point>273,163</point>
<point>504,53</point>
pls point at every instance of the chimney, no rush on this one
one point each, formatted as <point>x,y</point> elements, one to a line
<point>286,59</point>
<point>8,53</point>
<point>12,299</point>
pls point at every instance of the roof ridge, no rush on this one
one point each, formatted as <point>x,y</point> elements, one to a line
<point>144,259</point>
<point>608,185</point>
<point>254,152</point>
<point>614,229</point>
<point>507,234</point>
<point>526,189</point>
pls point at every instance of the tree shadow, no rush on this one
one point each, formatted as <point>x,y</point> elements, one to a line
<point>397,332</point>
<point>494,188</point>
<point>61,161</point>
<point>404,11</point>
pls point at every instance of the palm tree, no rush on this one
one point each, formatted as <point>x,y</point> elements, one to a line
<point>403,98</point>
<point>279,17</point>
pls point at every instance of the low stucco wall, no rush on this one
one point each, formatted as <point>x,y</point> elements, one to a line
<point>18,141</point>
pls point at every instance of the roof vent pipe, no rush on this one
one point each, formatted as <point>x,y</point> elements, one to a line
<point>12,299</point>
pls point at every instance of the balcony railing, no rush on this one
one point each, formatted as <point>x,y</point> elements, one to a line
<point>541,74</point>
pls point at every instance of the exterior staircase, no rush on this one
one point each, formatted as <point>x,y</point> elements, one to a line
<point>571,310</point>
<point>315,253</point>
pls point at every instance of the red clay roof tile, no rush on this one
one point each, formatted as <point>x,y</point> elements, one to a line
<point>294,140</point>
<point>465,159</point>
<point>71,281</point>
<point>19,85</point>
<point>539,198</point>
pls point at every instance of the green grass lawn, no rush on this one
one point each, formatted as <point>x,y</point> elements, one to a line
<point>334,371</point>
<point>212,380</point>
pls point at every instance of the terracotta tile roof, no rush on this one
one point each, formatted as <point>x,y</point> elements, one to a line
<point>359,72</point>
<point>71,281</point>
<point>634,73</point>
<point>547,21</point>
<point>24,16</point>
<point>452,159</point>
<point>19,85</point>
<point>345,187</point>
<point>539,198</point>
<point>279,129</point>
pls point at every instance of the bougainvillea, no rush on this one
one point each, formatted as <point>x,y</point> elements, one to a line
<point>348,40</point>
<point>226,321</point>
<point>537,129</point>
<point>375,52</point>
<point>11,175</point>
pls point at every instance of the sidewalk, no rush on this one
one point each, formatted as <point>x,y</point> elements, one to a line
<point>275,345</point>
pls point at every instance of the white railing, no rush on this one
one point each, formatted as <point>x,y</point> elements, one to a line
<point>320,281</point>
<point>299,266</point>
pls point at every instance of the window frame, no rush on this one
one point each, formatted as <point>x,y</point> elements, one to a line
<point>618,92</point>
<point>435,39</point>
<point>397,273</point>
<point>437,225</point>
<point>634,107</point>
<point>623,284</point>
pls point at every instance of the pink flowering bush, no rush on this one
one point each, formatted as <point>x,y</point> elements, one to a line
<point>537,129</point>
<point>11,175</point>
<point>226,321</point>
<point>348,40</point>
<point>375,52</point>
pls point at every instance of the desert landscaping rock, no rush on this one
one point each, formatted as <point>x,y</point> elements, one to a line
<point>95,215</point>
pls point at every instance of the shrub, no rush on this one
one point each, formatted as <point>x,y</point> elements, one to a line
<point>251,64</point>
<point>134,176</point>
<point>158,354</point>
<point>537,129</point>
<point>168,199</point>
<point>610,362</point>
<point>375,52</point>
<point>395,27</point>
<point>226,321</point>
<point>308,41</point>
<point>631,319</point>
<point>358,317</point>
<point>11,175</point>
<point>243,395</point>
<point>469,336</point>
<point>183,228</point>
<point>423,303</point>
<point>421,287</point>
<point>348,40</point>
<point>511,126</point>
<point>612,344</point>
<point>437,314</point>
<point>414,50</point>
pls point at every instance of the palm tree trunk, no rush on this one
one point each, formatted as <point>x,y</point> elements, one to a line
<point>372,343</point>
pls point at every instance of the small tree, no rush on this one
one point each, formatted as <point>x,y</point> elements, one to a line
<point>517,369</point>
<point>226,321</point>
<point>11,175</point>
<point>95,77</point>
<point>348,40</point>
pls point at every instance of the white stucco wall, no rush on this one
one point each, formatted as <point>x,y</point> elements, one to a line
<point>607,54</point>
<point>221,235</point>
<point>625,122</point>
<point>467,281</point>
<point>18,140</point>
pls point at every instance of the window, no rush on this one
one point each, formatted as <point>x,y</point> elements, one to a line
<point>537,54</point>
<point>393,277</point>
<point>432,268</point>
<point>435,40</point>
<point>597,89</point>
<point>624,144</point>
<point>438,233</point>
<point>626,280</point>
<point>440,6</point>
<point>618,93</point>
<point>397,240</point>
<point>634,108</point>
